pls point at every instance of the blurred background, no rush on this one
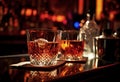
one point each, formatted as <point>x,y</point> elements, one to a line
<point>18,15</point>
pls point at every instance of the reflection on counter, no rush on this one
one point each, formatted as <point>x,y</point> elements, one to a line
<point>68,69</point>
<point>65,71</point>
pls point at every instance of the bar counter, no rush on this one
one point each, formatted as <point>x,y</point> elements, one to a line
<point>16,68</point>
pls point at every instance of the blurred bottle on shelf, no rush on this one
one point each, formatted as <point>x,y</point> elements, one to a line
<point>89,31</point>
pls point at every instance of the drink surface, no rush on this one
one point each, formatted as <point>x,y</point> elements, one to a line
<point>72,49</point>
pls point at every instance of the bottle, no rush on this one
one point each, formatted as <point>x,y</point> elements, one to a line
<point>88,32</point>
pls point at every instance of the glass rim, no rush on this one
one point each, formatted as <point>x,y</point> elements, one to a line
<point>30,29</point>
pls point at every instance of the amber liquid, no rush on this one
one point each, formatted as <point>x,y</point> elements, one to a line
<point>72,49</point>
<point>42,53</point>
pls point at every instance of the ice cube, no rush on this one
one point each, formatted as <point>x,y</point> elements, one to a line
<point>41,42</point>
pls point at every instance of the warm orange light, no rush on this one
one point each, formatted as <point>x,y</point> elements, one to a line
<point>65,44</point>
<point>80,6</point>
<point>112,15</point>
<point>28,12</point>
<point>26,76</point>
<point>23,32</point>
<point>63,73</point>
<point>54,18</point>
<point>99,8</point>
<point>23,11</point>
<point>34,12</point>
<point>44,16</point>
<point>60,18</point>
<point>81,68</point>
<point>81,24</point>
